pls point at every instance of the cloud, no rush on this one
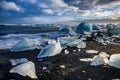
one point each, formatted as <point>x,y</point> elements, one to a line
<point>44,20</point>
<point>49,11</point>
<point>9,6</point>
<point>31,1</point>
<point>107,5</point>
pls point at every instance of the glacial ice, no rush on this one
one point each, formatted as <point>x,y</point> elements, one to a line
<point>100,59</point>
<point>83,27</point>
<point>91,51</point>
<point>30,44</point>
<point>114,60</point>
<point>25,69</point>
<point>72,42</point>
<point>18,61</point>
<point>67,30</point>
<point>50,50</point>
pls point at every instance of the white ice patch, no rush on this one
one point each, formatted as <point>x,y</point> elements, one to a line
<point>114,60</point>
<point>25,69</point>
<point>91,51</point>
<point>62,66</point>
<point>18,61</point>
<point>86,59</point>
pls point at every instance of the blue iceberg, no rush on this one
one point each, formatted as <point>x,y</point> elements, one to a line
<point>83,27</point>
<point>95,27</point>
<point>67,30</point>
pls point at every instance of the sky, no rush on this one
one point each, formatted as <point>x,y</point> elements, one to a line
<point>52,11</point>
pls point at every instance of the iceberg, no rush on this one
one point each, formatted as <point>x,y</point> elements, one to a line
<point>83,27</point>
<point>18,61</point>
<point>67,30</point>
<point>114,60</point>
<point>25,69</point>
<point>72,42</point>
<point>95,27</point>
<point>50,50</point>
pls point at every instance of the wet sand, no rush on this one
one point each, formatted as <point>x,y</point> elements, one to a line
<point>74,68</point>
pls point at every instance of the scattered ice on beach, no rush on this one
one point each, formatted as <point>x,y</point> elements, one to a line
<point>114,60</point>
<point>50,50</point>
<point>62,66</point>
<point>100,59</point>
<point>18,61</point>
<point>25,69</point>
<point>91,51</point>
<point>66,51</point>
<point>86,59</point>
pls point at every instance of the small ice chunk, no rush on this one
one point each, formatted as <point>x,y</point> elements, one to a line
<point>97,60</point>
<point>74,50</point>
<point>91,51</point>
<point>50,50</point>
<point>114,60</point>
<point>62,66</point>
<point>18,61</point>
<point>102,58</point>
<point>79,50</point>
<point>66,51</point>
<point>25,69</point>
<point>86,59</point>
<point>44,68</point>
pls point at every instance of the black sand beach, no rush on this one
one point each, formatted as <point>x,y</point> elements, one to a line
<point>74,68</point>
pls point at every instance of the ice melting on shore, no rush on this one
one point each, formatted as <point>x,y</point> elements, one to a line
<point>18,61</point>
<point>114,60</point>
<point>31,44</point>
<point>25,69</point>
<point>50,50</point>
<point>100,59</point>
<point>72,42</point>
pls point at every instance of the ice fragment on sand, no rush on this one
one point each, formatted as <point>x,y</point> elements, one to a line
<point>100,59</point>
<point>72,42</point>
<point>66,51</point>
<point>62,66</point>
<point>25,69</point>
<point>114,60</point>
<point>91,51</point>
<point>86,59</point>
<point>50,50</point>
<point>18,61</point>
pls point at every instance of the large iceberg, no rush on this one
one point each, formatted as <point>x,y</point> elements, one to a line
<point>83,27</point>
<point>50,50</point>
<point>67,30</point>
<point>25,69</point>
<point>30,44</point>
<point>72,42</point>
<point>114,60</point>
